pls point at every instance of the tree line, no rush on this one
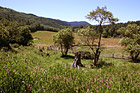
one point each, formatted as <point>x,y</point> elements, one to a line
<point>109,30</point>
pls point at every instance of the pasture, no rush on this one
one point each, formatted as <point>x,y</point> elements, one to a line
<point>29,70</point>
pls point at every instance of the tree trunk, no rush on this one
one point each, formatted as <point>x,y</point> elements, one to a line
<point>96,57</point>
<point>66,51</point>
<point>77,60</point>
<point>61,48</point>
<point>97,53</point>
<point>134,56</point>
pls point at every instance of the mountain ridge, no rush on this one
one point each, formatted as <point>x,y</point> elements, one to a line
<point>30,18</point>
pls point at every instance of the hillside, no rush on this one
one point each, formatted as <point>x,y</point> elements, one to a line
<point>28,19</point>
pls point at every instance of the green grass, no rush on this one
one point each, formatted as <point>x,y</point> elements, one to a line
<point>45,37</point>
<point>32,71</point>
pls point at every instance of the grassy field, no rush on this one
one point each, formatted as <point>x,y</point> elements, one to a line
<point>30,71</point>
<point>45,38</point>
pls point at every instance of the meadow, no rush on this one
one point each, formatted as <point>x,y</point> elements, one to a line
<point>29,70</point>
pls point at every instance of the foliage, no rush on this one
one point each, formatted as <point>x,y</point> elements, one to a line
<point>88,36</point>
<point>131,40</point>
<point>64,38</point>
<point>102,16</point>
<point>12,32</point>
<point>28,72</point>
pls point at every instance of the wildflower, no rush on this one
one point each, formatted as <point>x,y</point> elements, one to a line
<point>35,71</point>
<point>73,77</point>
<point>23,82</point>
<point>7,60</point>
<point>110,84</point>
<point>77,91</point>
<point>14,70</point>
<point>35,68</point>
<point>41,79</point>
<point>89,83</point>
<point>107,81</point>
<point>38,67</point>
<point>42,87</point>
<point>7,70</point>
<point>107,86</point>
<point>29,86</point>
<point>92,79</point>
<point>51,82</point>
<point>63,76</point>
<point>138,83</point>
<point>30,89</point>
<point>102,81</point>
<point>87,89</point>
<point>56,77</point>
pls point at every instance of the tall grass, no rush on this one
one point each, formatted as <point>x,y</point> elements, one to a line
<point>28,71</point>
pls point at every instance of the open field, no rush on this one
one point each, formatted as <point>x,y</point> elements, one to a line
<point>111,45</point>
<point>29,70</point>
<point>32,71</point>
<point>46,38</point>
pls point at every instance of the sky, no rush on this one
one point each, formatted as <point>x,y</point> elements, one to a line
<point>75,10</point>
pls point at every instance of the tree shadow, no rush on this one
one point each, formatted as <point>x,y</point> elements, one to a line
<point>68,57</point>
<point>102,64</point>
<point>137,61</point>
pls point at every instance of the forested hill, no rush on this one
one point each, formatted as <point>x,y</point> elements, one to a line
<point>31,19</point>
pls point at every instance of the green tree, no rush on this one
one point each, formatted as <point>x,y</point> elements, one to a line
<point>64,38</point>
<point>12,32</point>
<point>101,16</point>
<point>88,36</point>
<point>131,40</point>
<point>25,36</point>
<point>4,36</point>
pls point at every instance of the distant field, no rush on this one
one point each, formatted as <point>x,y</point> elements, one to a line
<point>45,38</point>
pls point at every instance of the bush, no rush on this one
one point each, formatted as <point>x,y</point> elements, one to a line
<point>64,38</point>
<point>13,32</point>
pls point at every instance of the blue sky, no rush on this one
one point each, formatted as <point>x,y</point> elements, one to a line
<point>75,10</point>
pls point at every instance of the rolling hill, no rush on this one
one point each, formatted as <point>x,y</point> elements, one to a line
<point>28,19</point>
